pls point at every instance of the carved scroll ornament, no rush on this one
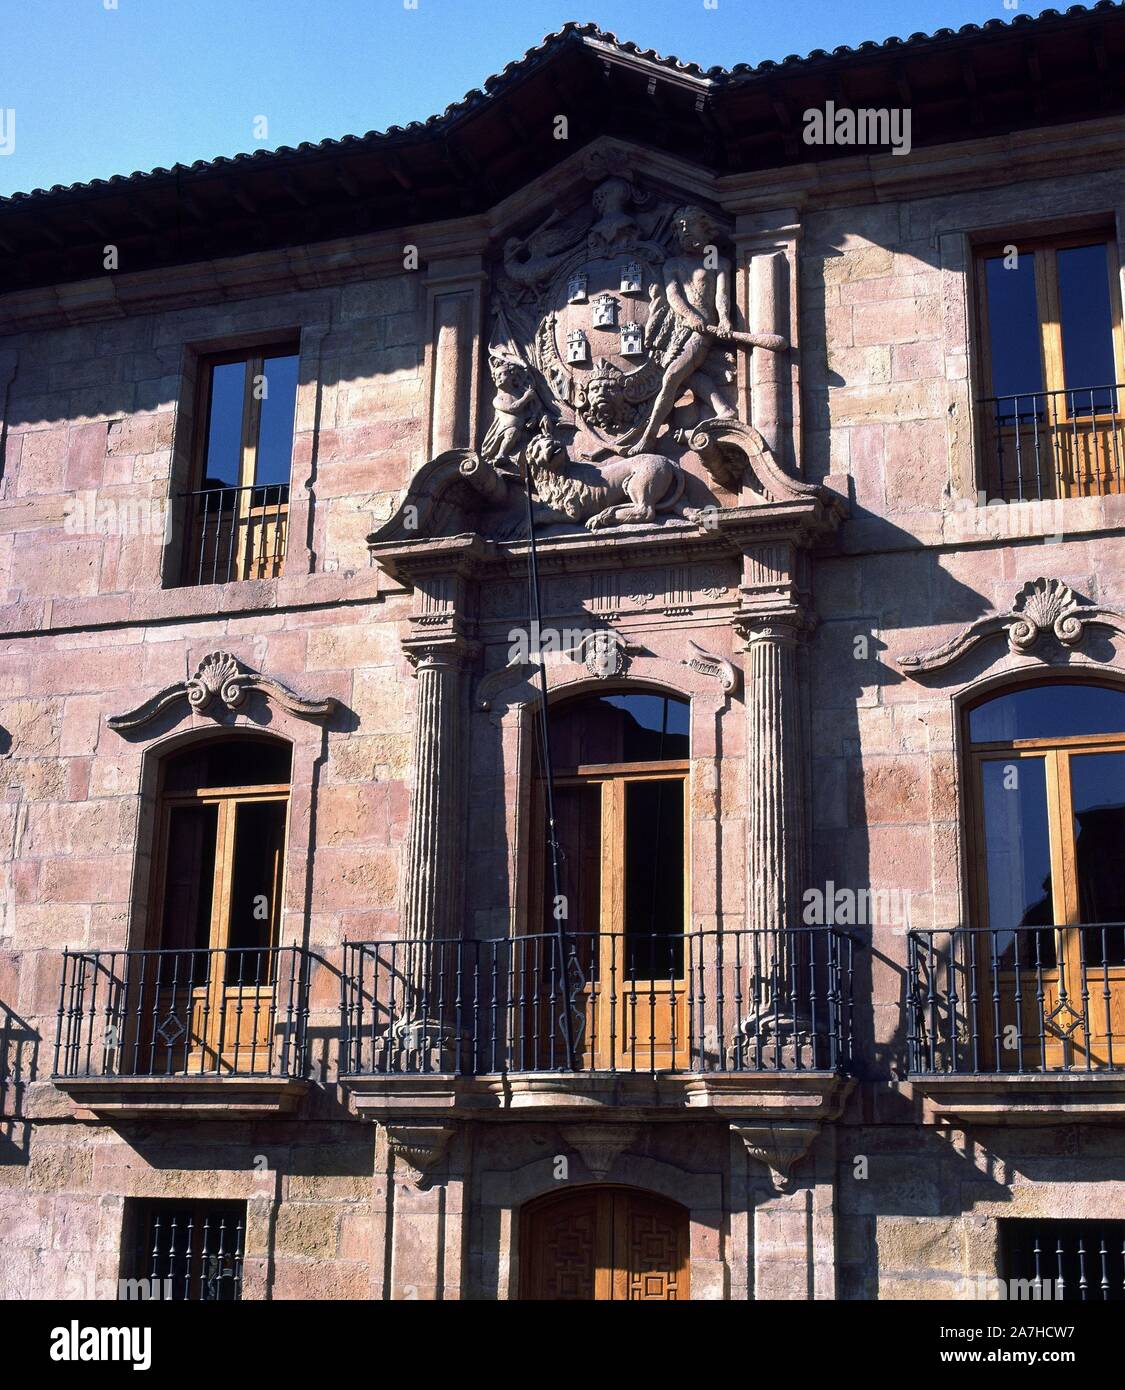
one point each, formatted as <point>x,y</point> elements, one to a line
<point>221,680</point>
<point>1042,606</point>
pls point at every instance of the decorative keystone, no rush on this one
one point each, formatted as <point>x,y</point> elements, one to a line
<point>599,1146</point>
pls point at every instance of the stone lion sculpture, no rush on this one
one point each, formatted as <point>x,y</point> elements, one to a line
<point>630,490</point>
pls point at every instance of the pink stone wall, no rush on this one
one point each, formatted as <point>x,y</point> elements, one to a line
<point>89,627</point>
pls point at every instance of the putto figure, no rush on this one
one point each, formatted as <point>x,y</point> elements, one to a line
<point>691,314</point>
<point>514,408</point>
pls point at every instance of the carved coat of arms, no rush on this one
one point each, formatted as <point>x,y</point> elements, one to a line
<point>612,340</point>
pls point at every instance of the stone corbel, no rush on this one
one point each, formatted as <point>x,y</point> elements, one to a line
<point>599,1146</point>
<point>1042,606</point>
<point>420,1146</point>
<point>779,1145</point>
<point>221,680</point>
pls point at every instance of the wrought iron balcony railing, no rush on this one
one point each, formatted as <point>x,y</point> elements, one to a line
<point>1020,999</point>
<point>1052,444</point>
<point>705,1001</point>
<point>235,533</point>
<point>154,1013</point>
<point>1065,1261</point>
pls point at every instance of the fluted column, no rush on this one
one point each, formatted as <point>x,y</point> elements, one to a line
<point>432,901</point>
<point>775,812</point>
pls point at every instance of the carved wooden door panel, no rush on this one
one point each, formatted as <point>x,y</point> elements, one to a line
<point>651,1257</point>
<point>605,1244</point>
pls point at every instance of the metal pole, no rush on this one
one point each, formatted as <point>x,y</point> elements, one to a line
<point>566,952</point>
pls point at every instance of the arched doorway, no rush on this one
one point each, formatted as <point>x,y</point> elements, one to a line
<point>611,1244</point>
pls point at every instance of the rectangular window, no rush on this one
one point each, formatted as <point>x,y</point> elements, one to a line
<point>238,508</point>
<point>1064,1261</point>
<point>183,1251</point>
<point>1053,366</point>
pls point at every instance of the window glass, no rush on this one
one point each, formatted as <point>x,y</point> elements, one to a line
<point>622,728</point>
<point>1097,790</point>
<point>578,820</point>
<point>224,425</point>
<point>189,879</point>
<point>1013,330</point>
<point>234,762</point>
<point>1018,856</point>
<point>1048,711</point>
<point>185,1251</point>
<point>259,845</point>
<point>1087,327</point>
<point>654,879</point>
<point>275,433</point>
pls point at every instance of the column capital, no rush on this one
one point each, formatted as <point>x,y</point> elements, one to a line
<point>789,625</point>
<point>444,650</point>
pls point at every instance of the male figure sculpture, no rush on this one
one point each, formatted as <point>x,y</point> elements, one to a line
<point>690,318</point>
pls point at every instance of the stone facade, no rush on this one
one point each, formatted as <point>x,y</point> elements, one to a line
<point>848,537</point>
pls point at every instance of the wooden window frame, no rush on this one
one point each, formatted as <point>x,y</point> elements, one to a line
<point>1056,753</point>
<point>1047,299</point>
<point>615,1042</point>
<point>247,517</point>
<point>217,997</point>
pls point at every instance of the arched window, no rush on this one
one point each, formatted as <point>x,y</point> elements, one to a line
<point>218,875</point>
<point>1047,772</point>
<point>621,767</point>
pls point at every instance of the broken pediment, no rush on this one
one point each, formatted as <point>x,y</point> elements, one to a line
<point>220,684</point>
<point>461,493</point>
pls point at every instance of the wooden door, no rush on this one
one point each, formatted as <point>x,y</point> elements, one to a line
<point>605,1244</point>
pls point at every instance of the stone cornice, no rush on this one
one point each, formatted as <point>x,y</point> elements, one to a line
<point>221,679</point>
<point>1042,606</point>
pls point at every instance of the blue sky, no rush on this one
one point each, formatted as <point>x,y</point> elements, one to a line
<point>104,87</point>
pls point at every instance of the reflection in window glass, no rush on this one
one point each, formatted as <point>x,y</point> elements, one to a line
<point>228,762</point>
<point>1018,856</point>
<point>623,728</point>
<point>1087,327</point>
<point>275,433</point>
<point>1013,331</point>
<point>224,426</point>
<point>1049,711</point>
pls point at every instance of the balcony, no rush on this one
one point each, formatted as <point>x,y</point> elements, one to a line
<point>143,1032</point>
<point>1008,1025</point>
<point>1054,444</point>
<point>712,1020</point>
<point>235,533</point>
